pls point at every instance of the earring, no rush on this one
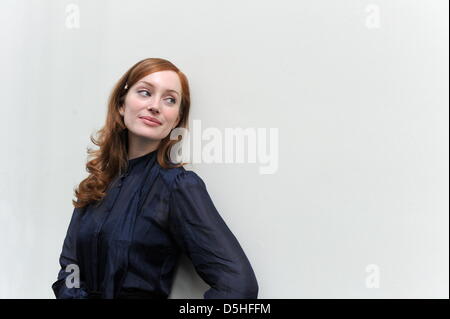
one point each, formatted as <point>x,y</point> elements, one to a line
<point>126,86</point>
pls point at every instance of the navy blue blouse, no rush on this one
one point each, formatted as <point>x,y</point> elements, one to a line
<point>132,240</point>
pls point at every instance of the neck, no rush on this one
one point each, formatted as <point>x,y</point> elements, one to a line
<point>139,146</point>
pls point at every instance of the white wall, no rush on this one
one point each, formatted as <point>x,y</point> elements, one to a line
<point>358,90</point>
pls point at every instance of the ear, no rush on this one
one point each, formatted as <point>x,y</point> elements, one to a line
<point>121,111</point>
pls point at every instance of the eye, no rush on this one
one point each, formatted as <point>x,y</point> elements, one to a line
<point>144,91</point>
<point>173,100</point>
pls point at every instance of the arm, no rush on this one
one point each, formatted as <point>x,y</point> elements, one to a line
<point>66,259</point>
<point>203,236</point>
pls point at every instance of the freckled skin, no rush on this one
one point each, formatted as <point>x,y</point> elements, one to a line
<point>157,102</point>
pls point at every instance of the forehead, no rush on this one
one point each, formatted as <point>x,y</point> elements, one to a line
<point>163,80</point>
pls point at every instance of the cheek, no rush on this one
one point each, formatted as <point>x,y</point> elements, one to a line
<point>171,114</point>
<point>133,102</point>
<point>132,107</point>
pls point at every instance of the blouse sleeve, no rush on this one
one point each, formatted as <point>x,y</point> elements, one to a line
<point>203,236</point>
<point>68,257</point>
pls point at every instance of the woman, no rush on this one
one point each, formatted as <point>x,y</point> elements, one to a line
<point>137,211</point>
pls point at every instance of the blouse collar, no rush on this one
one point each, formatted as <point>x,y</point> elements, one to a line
<point>133,162</point>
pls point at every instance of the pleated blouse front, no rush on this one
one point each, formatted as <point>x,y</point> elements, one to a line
<point>133,238</point>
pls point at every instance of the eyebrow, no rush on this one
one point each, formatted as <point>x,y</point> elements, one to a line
<point>150,84</point>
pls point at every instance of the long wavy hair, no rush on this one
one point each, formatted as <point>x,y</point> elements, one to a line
<point>111,159</point>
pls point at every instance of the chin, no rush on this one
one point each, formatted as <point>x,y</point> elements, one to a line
<point>146,132</point>
<point>151,136</point>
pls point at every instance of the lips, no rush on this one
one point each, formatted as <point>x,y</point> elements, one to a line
<point>152,119</point>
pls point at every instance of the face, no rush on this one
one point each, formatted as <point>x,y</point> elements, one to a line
<point>157,95</point>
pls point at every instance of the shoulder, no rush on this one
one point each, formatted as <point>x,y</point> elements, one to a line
<point>179,177</point>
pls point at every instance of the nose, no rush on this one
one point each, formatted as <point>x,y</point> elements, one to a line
<point>154,108</point>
